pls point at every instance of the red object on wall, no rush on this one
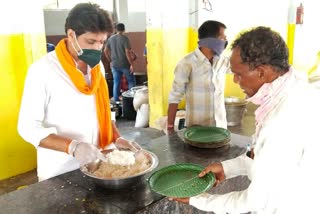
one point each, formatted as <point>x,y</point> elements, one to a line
<point>299,15</point>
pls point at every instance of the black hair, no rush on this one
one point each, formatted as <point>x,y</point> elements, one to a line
<point>88,17</point>
<point>262,46</point>
<point>120,27</point>
<point>210,28</point>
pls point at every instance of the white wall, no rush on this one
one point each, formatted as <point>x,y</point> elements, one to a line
<point>241,15</point>
<point>54,20</point>
<point>136,22</point>
<point>307,36</point>
<point>133,14</point>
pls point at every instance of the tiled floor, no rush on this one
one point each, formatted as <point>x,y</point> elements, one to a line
<point>17,182</point>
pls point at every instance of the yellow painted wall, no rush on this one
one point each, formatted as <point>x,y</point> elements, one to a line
<point>17,52</point>
<point>232,89</point>
<point>165,49</point>
<point>22,41</point>
<point>155,73</point>
<point>290,41</point>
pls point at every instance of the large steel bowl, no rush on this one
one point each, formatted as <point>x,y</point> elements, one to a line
<point>120,183</point>
<point>235,108</point>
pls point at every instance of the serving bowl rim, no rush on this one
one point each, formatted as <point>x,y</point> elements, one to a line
<point>154,164</point>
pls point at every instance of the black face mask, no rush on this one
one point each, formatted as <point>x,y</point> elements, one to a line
<point>226,44</point>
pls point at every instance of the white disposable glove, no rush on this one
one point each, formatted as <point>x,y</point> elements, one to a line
<point>85,152</point>
<point>122,143</point>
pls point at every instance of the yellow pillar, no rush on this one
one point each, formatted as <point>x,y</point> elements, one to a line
<point>290,41</point>
<point>22,40</point>
<point>170,36</point>
<point>291,29</point>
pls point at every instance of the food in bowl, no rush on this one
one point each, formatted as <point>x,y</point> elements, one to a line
<point>122,164</point>
<point>121,182</point>
<point>123,158</point>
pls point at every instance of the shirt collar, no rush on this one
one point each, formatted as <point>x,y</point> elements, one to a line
<point>201,57</point>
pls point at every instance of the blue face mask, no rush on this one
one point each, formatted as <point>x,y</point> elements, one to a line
<point>217,45</point>
<point>90,56</point>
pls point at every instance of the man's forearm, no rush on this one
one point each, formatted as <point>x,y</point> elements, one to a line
<point>129,57</point>
<point>115,130</point>
<point>55,142</point>
<point>107,54</point>
<point>172,110</point>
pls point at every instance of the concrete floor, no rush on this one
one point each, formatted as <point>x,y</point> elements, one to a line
<point>246,128</point>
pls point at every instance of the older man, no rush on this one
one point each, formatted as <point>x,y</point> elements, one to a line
<point>285,157</point>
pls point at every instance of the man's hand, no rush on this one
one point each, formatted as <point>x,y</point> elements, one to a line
<point>182,200</point>
<point>131,69</point>
<point>170,129</point>
<point>85,152</point>
<point>217,170</point>
<point>122,143</point>
<point>172,111</point>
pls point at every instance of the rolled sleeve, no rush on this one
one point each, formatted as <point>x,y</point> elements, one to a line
<point>181,79</point>
<point>233,202</point>
<point>33,132</point>
<point>237,166</point>
<point>32,109</point>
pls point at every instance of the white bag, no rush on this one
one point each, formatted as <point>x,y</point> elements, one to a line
<point>162,122</point>
<point>142,118</point>
<point>141,96</point>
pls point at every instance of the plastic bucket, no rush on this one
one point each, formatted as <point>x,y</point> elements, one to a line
<point>128,111</point>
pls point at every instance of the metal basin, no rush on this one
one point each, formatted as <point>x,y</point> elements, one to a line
<point>120,183</point>
<point>235,108</point>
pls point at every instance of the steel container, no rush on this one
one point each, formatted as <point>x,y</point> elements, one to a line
<point>235,108</point>
<point>120,183</point>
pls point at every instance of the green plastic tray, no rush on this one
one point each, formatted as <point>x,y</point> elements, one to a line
<point>211,145</point>
<point>180,181</point>
<point>205,134</point>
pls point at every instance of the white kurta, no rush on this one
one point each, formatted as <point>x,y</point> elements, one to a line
<point>285,170</point>
<point>51,104</point>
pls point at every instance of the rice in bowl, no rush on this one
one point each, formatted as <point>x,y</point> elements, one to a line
<point>122,164</point>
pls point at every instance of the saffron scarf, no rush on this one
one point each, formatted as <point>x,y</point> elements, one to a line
<point>98,88</point>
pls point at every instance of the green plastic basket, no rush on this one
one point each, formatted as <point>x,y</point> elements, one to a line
<point>180,181</point>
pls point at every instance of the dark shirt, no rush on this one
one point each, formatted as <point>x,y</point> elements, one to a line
<point>117,44</point>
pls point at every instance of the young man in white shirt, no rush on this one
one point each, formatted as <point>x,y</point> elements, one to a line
<point>65,110</point>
